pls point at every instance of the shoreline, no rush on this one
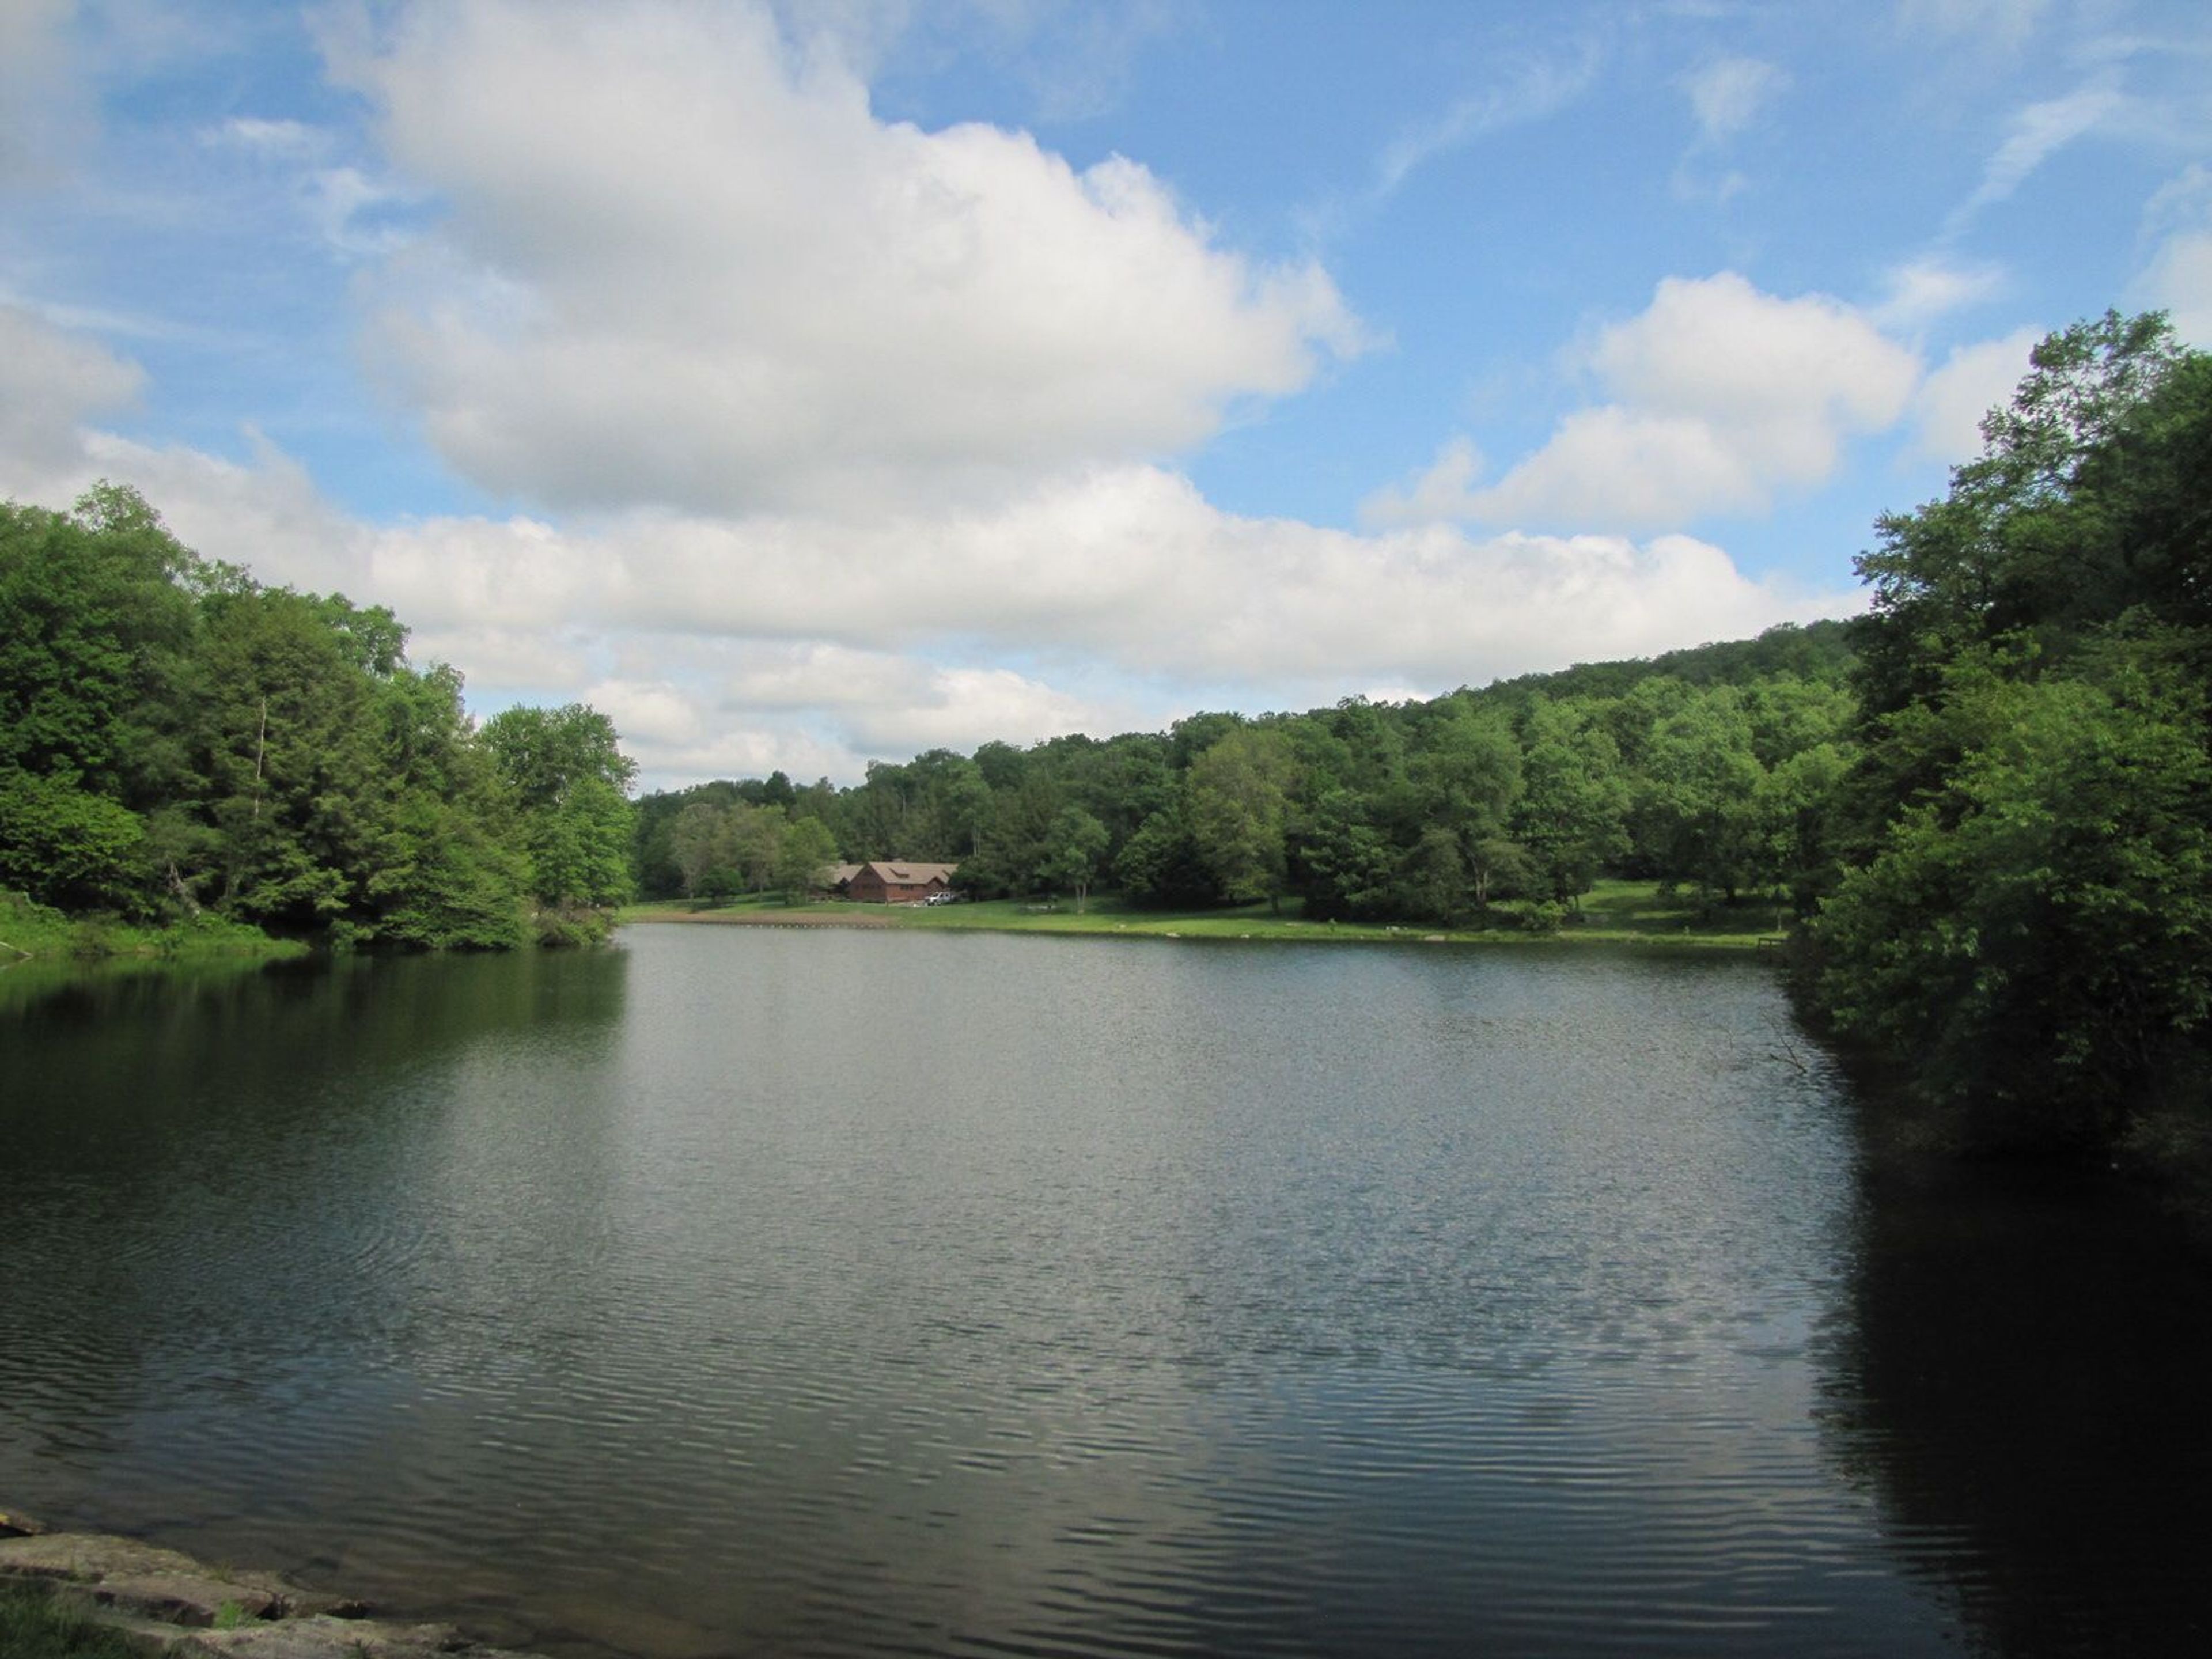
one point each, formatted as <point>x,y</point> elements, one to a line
<point>163,1601</point>
<point>1255,925</point>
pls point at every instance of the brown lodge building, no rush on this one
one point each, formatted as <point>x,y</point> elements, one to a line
<point>890,882</point>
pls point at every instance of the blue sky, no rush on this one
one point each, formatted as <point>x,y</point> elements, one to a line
<point>811,383</point>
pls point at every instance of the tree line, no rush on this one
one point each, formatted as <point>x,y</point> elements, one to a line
<point>1705,767</point>
<point>178,741</point>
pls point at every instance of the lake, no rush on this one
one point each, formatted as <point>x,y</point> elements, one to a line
<point>756,1292</point>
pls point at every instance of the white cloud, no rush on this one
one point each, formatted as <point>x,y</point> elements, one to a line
<point>50,381</point>
<point>2038,132</point>
<point>1728,94</point>
<point>1128,570</point>
<point>282,140</point>
<point>1975,378</point>
<point>41,113</point>
<point>2001,22</point>
<point>1922,290</point>
<point>1443,492</point>
<point>1720,396</point>
<point>683,266</point>
<point>814,642</point>
<point>2178,280</point>
<point>1528,91</point>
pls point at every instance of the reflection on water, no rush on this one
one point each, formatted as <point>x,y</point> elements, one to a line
<point>745,1291</point>
<point>2023,1385</point>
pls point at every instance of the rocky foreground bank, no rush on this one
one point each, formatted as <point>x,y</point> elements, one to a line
<point>165,1602</point>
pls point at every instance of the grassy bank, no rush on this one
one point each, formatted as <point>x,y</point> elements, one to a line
<point>29,932</point>
<point>1618,912</point>
<point>33,1626</point>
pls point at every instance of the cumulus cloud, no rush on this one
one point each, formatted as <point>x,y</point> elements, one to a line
<point>1720,395</point>
<point>684,264</point>
<point>50,380</point>
<point>1101,600</point>
<point>2178,279</point>
<point>1127,589</point>
<point>1947,409</point>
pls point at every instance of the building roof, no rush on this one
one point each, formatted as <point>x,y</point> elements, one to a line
<point>842,874</point>
<point>896,873</point>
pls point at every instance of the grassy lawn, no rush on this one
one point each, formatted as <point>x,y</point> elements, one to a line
<point>1616,911</point>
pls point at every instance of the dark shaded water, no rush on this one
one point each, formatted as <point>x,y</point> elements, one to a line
<point>761,1292</point>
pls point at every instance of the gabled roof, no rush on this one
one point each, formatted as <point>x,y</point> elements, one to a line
<point>841,873</point>
<point>894,872</point>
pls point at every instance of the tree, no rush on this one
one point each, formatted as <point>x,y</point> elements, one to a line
<point>1695,817</point>
<point>567,775</point>
<point>1239,797</point>
<point>1346,861</point>
<point>2026,542</point>
<point>700,842</point>
<point>1574,802</point>
<point>1077,848</point>
<point>1160,866</point>
<point>1432,883</point>
<point>2025,879</point>
<point>802,866</point>
<point>95,634</point>
<point>2032,933</point>
<point>66,845</point>
<point>544,753</point>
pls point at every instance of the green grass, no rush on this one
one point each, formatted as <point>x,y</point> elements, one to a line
<point>1614,912</point>
<point>33,931</point>
<point>33,1625</point>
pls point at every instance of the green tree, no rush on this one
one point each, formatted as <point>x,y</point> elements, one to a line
<point>2032,934</point>
<point>1572,813</point>
<point>1347,862</point>
<point>566,772</point>
<point>701,844</point>
<point>1239,803</point>
<point>67,846</point>
<point>2023,888</point>
<point>1696,817</point>
<point>1078,848</point>
<point>1160,866</point>
<point>803,865</point>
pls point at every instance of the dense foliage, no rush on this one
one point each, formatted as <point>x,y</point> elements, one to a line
<point>177,740</point>
<point>1708,768</point>
<point>2023,896</point>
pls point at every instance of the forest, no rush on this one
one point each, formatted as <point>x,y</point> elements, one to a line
<point>179,743</point>
<point>1707,767</point>
<point>1988,800</point>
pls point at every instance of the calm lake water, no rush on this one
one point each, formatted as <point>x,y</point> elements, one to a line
<point>742,1292</point>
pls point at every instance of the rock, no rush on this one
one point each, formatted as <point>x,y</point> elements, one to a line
<point>321,1636</point>
<point>164,1602</point>
<point>97,1571</point>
